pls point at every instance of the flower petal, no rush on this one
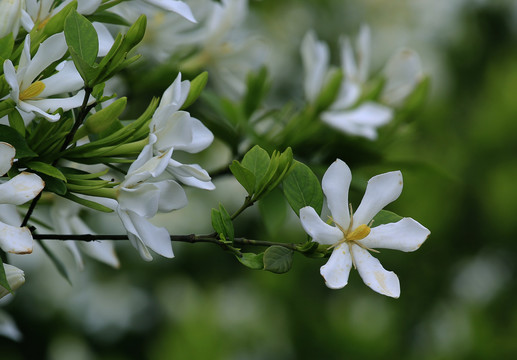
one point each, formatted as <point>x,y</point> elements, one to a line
<point>174,97</point>
<point>7,153</point>
<point>337,269</point>
<point>380,191</point>
<point>179,7</point>
<point>404,235</point>
<point>318,230</point>
<point>10,77</point>
<point>15,240</point>
<point>49,51</point>
<point>29,108</point>
<point>335,184</point>
<point>374,275</point>
<point>315,57</point>
<point>52,105</point>
<point>172,196</point>
<point>363,53</point>
<point>67,79</point>
<point>105,38</point>
<point>202,137</point>
<point>21,188</point>
<point>403,72</point>
<point>142,199</point>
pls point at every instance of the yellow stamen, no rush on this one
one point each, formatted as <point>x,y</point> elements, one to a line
<point>32,91</point>
<point>360,233</point>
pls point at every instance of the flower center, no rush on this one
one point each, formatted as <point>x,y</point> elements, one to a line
<point>32,91</point>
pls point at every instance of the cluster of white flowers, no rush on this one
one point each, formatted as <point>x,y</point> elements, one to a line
<point>348,113</point>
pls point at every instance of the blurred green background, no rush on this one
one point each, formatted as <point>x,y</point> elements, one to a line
<point>459,161</point>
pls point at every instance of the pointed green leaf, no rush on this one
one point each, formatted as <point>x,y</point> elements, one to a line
<point>302,188</point>
<point>196,86</point>
<point>91,204</point>
<point>54,185</point>
<point>6,47</point>
<point>244,176</point>
<point>16,121</point>
<point>81,36</point>
<point>47,169</point>
<point>222,223</point>
<point>108,17</point>
<point>278,259</point>
<point>256,160</point>
<point>252,260</point>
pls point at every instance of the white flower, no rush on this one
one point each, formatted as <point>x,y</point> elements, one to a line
<point>33,96</point>
<point>10,15</point>
<point>352,238</point>
<point>16,191</point>
<point>177,130</point>
<point>15,278</point>
<point>66,220</point>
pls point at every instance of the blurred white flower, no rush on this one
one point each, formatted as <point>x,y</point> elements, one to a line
<point>352,238</point>
<point>10,16</point>
<point>34,96</point>
<point>15,277</point>
<point>16,191</point>
<point>66,220</point>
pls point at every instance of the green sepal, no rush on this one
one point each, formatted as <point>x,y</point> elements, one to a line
<point>3,278</point>
<point>13,137</point>
<point>385,217</point>
<point>302,188</point>
<point>278,259</point>
<point>244,176</point>
<point>252,260</point>
<point>196,87</point>
<point>46,169</point>
<point>103,119</point>
<point>81,37</point>
<point>88,203</point>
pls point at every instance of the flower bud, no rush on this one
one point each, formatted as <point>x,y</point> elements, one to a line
<point>15,278</point>
<point>10,15</point>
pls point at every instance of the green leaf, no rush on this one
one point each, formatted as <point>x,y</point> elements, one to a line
<point>252,260</point>
<point>278,259</point>
<point>47,169</point>
<point>56,22</point>
<point>102,120</point>
<point>222,223</point>
<point>244,176</point>
<point>91,204</point>
<point>13,137</point>
<point>3,278</point>
<point>88,72</point>
<point>385,217</point>
<point>257,87</point>
<point>256,160</point>
<point>56,261</point>
<point>196,86</point>
<point>6,47</point>
<point>330,90</point>
<point>273,209</point>
<point>108,17</point>
<point>302,188</point>
<point>81,36</point>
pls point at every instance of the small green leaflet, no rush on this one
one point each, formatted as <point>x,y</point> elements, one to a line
<point>302,188</point>
<point>278,259</point>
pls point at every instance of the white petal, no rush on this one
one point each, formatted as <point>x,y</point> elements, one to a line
<point>349,93</point>
<point>143,199</point>
<point>72,247</point>
<point>175,95</point>
<point>26,21</point>
<point>201,138</point>
<point>8,327</point>
<point>315,58</point>
<point>403,72</point>
<point>172,196</point>
<point>10,77</point>
<point>335,184</point>
<point>28,107</point>
<point>9,214</point>
<point>146,166</point>
<point>65,80</point>
<point>148,235</point>
<point>21,188</point>
<point>16,240</point>
<point>404,235</point>
<point>190,174</point>
<point>66,104</point>
<point>318,230</point>
<point>380,191</point>
<point>105,38</point>
<point>347,60</point>
<point>49,51</point>
<point>179,7</point>
<point>7,153</point>
<point>88,7</point>
<point>175,132</point>
<point>103,251</point>
<point>337,269</point>
<point>374,275</point>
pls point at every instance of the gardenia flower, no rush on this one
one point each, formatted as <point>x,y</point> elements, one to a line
<point>352,237</point>
<point>177,130</point>
<point>16,191</point>
<point>33,96</point>
<point>402,74</point>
